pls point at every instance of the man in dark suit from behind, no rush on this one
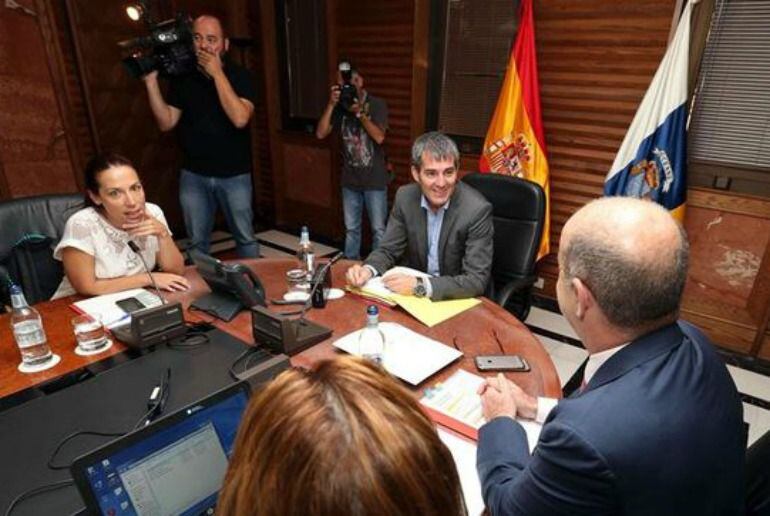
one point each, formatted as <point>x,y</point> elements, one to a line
<point>438,225</point>
<point>657,427</point>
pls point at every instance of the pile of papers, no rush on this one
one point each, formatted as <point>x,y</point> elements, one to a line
<point>457,398</point>
<point>423,309</point>
<point>408,355</point>
<point>111,314</point>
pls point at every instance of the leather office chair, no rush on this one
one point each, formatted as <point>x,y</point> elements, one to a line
<point>758,477</point>
<point>518,210</point>
<point>30,227</point>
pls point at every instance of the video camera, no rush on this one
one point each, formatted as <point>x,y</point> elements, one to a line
<point>348,92</point>
<point>168,48</point>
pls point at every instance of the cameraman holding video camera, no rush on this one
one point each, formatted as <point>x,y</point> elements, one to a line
<point>211,108</point>
<point>362,121</point>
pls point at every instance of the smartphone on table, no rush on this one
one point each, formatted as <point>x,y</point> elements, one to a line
<point>501,363</point>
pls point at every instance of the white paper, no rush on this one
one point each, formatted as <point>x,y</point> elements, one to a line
<point>408,355</point>
<point>377,287</point>
<point>457,398</point>
<point>112,315</point>
<point>464,455</point>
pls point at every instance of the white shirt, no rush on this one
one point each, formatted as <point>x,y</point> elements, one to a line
<point>90,232</point>
<point>595,361</point>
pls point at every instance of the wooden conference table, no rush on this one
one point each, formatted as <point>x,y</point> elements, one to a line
<point>473,332</point>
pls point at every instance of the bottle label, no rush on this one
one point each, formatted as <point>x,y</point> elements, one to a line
<point>29,333</point>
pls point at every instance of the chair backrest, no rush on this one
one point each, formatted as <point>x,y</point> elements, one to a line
<point>758,477</point>
<point>30,227</point>
<point>518,209</point>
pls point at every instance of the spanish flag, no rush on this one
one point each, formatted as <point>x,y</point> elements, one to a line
<point>515,143</point>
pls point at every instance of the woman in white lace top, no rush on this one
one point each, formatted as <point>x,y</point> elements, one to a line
<point>94,248</point>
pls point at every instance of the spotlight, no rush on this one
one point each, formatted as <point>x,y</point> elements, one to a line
<point>134,11</point>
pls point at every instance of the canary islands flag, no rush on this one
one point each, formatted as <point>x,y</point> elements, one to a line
<point>515,144</point>
<point>652,160</point>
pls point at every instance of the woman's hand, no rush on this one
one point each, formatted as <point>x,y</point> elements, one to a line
<point>146,226</point>
<point>170,282</point>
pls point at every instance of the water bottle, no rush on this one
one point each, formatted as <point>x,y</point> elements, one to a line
<point>371,340</point>
<point>306,254</point>
<point>28,330</point>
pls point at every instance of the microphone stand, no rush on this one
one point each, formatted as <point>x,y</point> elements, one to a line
<point>317,283</point>
<point>135,248</point>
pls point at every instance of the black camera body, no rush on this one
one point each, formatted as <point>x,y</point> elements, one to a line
<point>348,92</point>
<point>168,49</point>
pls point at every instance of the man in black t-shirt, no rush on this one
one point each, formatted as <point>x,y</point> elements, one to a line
<point>211,109</point>
<point>362,127</point>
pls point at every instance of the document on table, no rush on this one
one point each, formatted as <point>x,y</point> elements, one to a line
<point>457,398</point>
<point>112,315</point>
<point>408,355</point>
<point>428,312</point>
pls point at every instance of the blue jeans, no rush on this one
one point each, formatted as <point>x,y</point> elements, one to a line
<point>200,195</point>
<point>352,206</point>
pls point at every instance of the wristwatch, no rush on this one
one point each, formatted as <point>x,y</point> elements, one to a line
<point>420,290</point>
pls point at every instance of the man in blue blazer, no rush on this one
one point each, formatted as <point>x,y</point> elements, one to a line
<point>438,225</point>
<point>657,427</point>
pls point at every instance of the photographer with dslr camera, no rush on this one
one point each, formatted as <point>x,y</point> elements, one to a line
<point>211,108</point>
<point>362,121</point>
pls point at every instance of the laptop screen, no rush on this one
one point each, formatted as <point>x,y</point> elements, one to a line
<point>174,467</point>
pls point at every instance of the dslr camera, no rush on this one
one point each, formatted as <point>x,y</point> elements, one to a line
<point>168,48</point>
<point>348,92</point>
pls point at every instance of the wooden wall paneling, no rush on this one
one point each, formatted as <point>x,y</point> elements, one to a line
<point>595,66</point>
<point>264,207</point>
<point>62,62</point>
<point>273,108</point>
<point>35,158</point>
<point>420,45</point>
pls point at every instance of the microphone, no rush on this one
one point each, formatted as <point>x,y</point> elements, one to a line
<point>317,282</point>
<point>135,249</point>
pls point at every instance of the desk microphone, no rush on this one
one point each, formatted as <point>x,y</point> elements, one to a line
<point>317,283</point>
<point>135,248</point>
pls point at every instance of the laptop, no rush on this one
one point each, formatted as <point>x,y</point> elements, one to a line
<point>174,466</point>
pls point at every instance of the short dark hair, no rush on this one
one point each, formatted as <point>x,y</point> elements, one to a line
<point>98,164</point>
<point>438,145</point>
<point>632,293</point>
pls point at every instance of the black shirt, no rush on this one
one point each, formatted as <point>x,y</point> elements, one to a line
<point>363,159</point>
<point>211,144</point>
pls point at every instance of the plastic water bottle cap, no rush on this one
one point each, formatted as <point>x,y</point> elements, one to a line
<point>15,290</point>
<point>372,310</point>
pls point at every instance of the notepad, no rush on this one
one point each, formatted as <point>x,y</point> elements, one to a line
<point>425,310</point>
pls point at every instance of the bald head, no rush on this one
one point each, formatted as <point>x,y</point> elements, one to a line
<point>633,257</point>
<point>209,35</point>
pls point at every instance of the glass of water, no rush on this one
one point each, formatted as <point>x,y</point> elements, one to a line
<point>89,332</point>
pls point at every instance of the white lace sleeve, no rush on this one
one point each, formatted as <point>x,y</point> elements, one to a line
<point>78,234</point>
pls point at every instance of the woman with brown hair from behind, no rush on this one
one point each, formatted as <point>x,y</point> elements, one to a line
<point>343,439</point>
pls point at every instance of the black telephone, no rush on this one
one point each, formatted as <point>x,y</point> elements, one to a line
<point>234,287</point>
<point>245,284</point>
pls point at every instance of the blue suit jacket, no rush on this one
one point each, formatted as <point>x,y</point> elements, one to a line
<point>657,431</point>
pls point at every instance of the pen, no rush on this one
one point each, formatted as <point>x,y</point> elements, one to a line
<point>119,320</point>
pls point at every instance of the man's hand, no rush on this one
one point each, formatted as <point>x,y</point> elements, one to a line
<point>357,275</point>
<point>516,402</point>
<point>170,282</point>
<point>496,398</point>
<point>400,283</point>
<point>209,62</point>
<point>334,94</point>
<point>150,77</point>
